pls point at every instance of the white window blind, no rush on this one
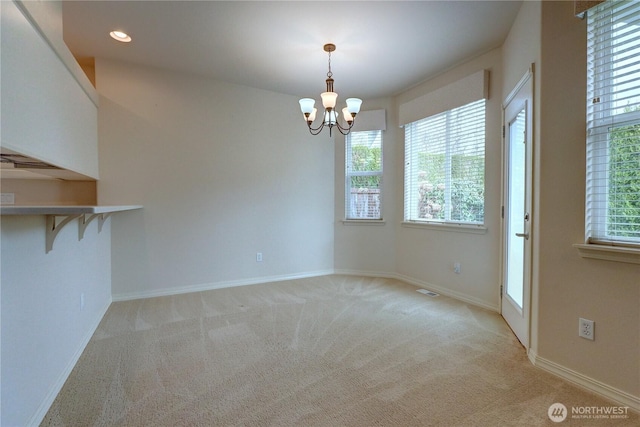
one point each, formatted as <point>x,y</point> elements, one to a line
<point>444,166</point>
<point>613,124</point>
<point>363,175</point>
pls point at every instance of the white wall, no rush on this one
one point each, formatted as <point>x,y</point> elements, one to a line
<point>569,286</point>
<point>426,256</point>
<point>43,328</point>
<point>223,171</point>
<point>566,286</point>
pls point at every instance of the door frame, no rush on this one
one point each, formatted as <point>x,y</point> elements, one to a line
<point>528,268</point>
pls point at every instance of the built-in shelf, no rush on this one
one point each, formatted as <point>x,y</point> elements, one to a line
<point>59,216</point>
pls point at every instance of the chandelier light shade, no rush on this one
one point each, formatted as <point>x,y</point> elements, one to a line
<point>329,99</point>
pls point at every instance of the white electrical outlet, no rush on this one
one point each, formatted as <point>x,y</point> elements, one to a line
<point>258,256</point>
<point>457,268</point>
<point>7,198</point>
<point>586,329</point>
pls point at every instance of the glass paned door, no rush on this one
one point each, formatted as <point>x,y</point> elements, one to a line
<point>515,209</point>
<point>517,222</point>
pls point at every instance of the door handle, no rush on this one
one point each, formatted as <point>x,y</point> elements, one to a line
<point>525,235</point>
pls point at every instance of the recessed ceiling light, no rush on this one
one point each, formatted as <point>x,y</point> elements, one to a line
<point>120,36</point>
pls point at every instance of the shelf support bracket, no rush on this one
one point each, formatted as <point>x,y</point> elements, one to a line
<point>84,222</point>
<point>101,219</point>
<point>53,229</point>
<point>86,219</point>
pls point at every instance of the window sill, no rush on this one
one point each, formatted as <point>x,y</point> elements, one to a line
<point>608,253</point>
<point>363,222</point>
<point>458,228</point>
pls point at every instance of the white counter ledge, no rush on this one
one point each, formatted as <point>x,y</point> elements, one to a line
<point>85,215</point>
<point>64,210</point>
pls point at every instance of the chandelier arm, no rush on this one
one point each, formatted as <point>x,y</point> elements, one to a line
<point>345,130</point>
<point>317,130</point>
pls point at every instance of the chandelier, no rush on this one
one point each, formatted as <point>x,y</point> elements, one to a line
<point>330,118</point>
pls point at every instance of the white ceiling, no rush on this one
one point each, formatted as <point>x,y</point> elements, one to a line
<point>383,47</point>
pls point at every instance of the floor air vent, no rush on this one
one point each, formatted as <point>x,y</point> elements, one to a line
<point>430,293</point>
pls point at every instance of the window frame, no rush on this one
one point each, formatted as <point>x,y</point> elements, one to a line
<point>348,217</point>
<point>411,202</point>
<point>602,121</point>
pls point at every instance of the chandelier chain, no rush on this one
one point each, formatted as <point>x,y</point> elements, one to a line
<point>329,73</point>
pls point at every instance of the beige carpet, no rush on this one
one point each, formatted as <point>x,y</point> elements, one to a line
<point>326,351</point>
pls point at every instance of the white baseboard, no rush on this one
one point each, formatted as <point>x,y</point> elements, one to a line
<point>448,292</point>
<point>587,383</point>
<point>422,284</point>
<point>44,407</point>
<point>365,273</point>
<point>217,285</point>
<point>266,279</point>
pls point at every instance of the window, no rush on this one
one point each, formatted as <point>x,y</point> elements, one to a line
<point>444,166</point>
<point>363,175</point>
<point>613,124</point>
